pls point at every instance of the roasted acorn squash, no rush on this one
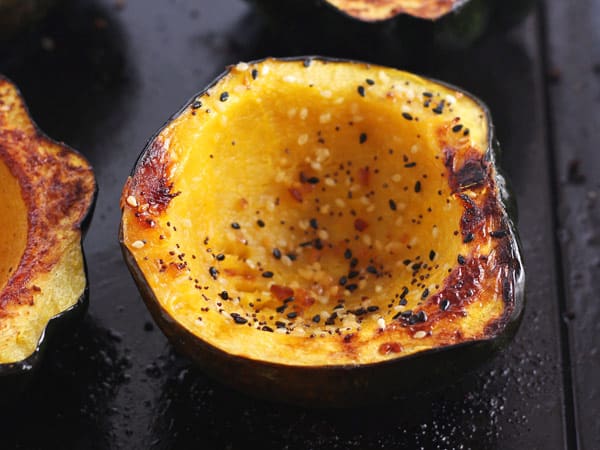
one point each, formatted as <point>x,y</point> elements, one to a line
<point>450,23</point>
<point>325,232</point>
<point>46,195</point>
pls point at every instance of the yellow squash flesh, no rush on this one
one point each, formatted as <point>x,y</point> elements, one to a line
<point>293,211</point>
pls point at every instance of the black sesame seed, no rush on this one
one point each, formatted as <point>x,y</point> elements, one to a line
<point>314,224</point>
<point>312,180</point>
<point>397,316</point>
<point>277,253</point>
<point>353,274</point>
<point>292,256</point>
<point>307,62</point>
<point>431,255</point>
<point>316,318</point>
<point>267,274</point>
<point>235,226</point>
<point>373,308</point>
<point>370,82</point>
<point>352,287</point>
<point>224,295</point>
<point>427,94</point>
<point>359,312</point>
<point>288,300</point>
<point>353,262</point>
<point>406,262</point>
<point>425,294</point>
<point>224,96</point>
<point>466,132</point>
<point>362,138</point>
<point>372,269</point>
<point>197,104</point>
<point>404,292</point>
<point>461,260</point>
<point>403,302</point>
<point>361,91</point>
<point>254,74</point>
<point>439,109</point>
<point>214,273</point>
<point>468,238</point>
<point>281,308</point>
<point>407,116</point>
<point>421,316</point>
<point>280,324</point>
<point>238,319</point>
<point>266,328</point>
<point>348,253</point>
<point>418,186</point>
<point>343,280</point>
<point>445,304</point>
<point>260,223</point>
<point>457,128</point>
<point>392,204</point>
<point>220,257</point>
<point>410,164</point>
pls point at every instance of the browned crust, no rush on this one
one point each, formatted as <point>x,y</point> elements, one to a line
<point>150,184</point>
<point>377,10</point>
<point>57,186</point>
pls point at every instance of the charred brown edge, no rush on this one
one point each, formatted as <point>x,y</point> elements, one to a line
<point>456,4</point>
<point>499,332</point>
<point>15,372</point>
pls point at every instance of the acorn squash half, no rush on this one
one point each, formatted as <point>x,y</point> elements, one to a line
<point>325,232</point>
<point>450,23</point>
<point>46,195</point>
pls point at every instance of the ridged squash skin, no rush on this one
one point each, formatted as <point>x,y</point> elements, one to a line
<point>326,232</point>
<point>46,200</point>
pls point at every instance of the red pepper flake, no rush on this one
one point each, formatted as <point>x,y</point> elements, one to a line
<point>296,194</point>
<point>360,225</point>
<point>281,292</point>
<point>390,347</point>
<point>364,176</point>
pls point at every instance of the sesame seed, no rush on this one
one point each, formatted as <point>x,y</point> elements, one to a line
<point>362,138</point>
<point>361,91</point>
<point>303,139</point>
<point>381,323</point>
<point>419,334</point>
<point>267,274</point>
<point>407,116</point>
<point>242,66</point>
<point>132,201</point>
<point>325,118</point>
<point>224,96</point>
<point>418,186</point>
<point>138,244</point>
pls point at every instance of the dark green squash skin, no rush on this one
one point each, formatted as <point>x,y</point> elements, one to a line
<point>458,29</point>
<point>18,15</point>
<point>348,385</point>
<point>16,376</point>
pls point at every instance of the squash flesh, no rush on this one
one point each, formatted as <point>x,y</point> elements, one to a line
<point>254,152</point>
<point>371,11</point>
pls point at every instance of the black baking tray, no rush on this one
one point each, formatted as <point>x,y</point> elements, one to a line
<point>103,76</point>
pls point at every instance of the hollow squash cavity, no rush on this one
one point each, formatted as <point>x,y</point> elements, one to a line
<point>321,213</point>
